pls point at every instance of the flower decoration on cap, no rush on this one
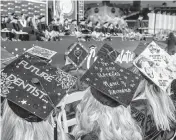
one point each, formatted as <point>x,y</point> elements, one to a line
<point>65,80</point>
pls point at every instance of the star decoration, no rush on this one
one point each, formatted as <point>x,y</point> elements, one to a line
<point>27,56</point>
<point>121,70</point>
<point>23,102</point>
<point>96,67</point>
<point>87,79</point>
<point>136,78</point>
<point>112,63</point>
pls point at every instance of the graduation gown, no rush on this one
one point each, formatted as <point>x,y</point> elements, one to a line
<point>142,114</point>
<point>42,26</point>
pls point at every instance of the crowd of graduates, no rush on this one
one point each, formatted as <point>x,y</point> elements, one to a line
<point>24,28</point>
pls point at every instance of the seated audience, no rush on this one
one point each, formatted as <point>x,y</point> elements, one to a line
<point>110,28</point>
<point>73,26</point>
<point>23,21</point>
<point>97,27</point>
<point>90,25</point>
<point>66,27</point>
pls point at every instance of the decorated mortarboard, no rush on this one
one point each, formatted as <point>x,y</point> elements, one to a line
<point>153,62</point>
<point>78,73</point>
<point>34,87</point>
<point>41,52</point>
<point>124,58</point>
<point>110,79</point>
<point>77,54</point>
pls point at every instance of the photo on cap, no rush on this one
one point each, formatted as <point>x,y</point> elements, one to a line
<point>111,79</point>
<point>35,88</point>
<point>41,52</point>
<point>153,62</point>
<point>77,54</point>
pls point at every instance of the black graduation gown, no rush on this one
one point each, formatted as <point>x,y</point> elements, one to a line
<point>98,29</point>
<point>143,116</point>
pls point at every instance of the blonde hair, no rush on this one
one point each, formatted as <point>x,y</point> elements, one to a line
<point>15,128</point>
<point>160,104</point>
<point>107,122</point>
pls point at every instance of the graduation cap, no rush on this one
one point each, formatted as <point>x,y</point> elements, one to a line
<point>15,17</point>
<point>110,83</point>
<point>34,87</point>
<point>73,20</point>
<point>77,54</point>
<point>78,73</point>
<point>42,16</point>
<point>153,62</point>
<point>41,52</point>
<point>82,22</point>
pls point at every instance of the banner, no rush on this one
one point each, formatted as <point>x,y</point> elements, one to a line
<point>66,9</point>
<point>29,8</point>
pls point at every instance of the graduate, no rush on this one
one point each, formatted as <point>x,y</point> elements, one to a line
<point>103,114</point>
<point>28,111</point>
<point>153,98</point>
<point>105,28</point>
<point>66,27</point>
<point>97,27</point>
<point>90,25</point>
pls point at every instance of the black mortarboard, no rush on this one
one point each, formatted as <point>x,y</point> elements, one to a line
<point>77,54</point>
<point>110,83</point>
<point>35,86</point>
<point>41,17</point>
<point>15,17</point>
<point>153,62</point>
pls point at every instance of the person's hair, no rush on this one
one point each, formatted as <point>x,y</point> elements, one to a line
<point>26,18</point>
<point>15,128</point>
<point>171,36</point>
<point>108,123</point>
<point>160,104</point>
<point>96,23</point>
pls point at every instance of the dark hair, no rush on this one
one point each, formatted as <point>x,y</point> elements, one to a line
<point>109,24</point>
<point>26,17</point>
<point>73,20</point>
<point>97,22</point>
<point>66,20</point>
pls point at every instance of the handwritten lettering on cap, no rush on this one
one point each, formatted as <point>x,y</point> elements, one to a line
<point>41,52</point>
<point>153,62</point>
<point>111,79</point>
<point>124,58</point>
<point>77,54</point>
<point>37,89</point>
